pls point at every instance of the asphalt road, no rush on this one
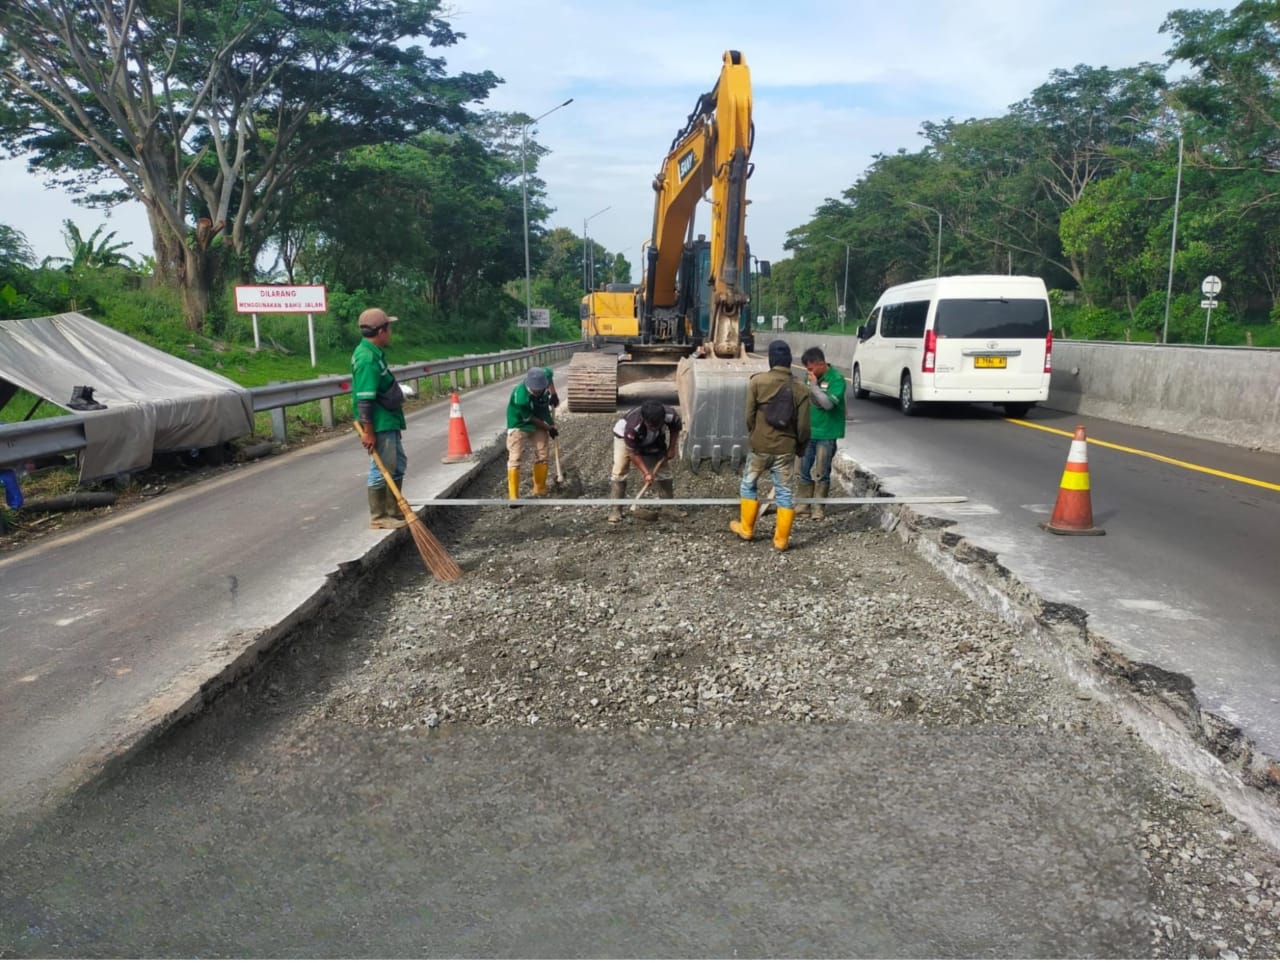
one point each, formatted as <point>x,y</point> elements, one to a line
<point>1184,577</point>
<point>112,630</point>
<point>840,841</point>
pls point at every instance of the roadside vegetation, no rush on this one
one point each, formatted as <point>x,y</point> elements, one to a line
<point>361,163</point>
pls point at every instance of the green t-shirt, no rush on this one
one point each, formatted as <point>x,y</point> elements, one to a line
<point>370,378</point>
<point>825,424</point>
<point>523,406</point>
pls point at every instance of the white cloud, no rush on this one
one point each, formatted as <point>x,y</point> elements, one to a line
<point>835,82</point>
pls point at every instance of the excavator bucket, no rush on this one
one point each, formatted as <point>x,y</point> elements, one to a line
<point>713,400</point>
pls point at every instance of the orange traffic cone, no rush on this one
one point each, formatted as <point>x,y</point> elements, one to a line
<point>459,443</point>
<point>1073,511</point>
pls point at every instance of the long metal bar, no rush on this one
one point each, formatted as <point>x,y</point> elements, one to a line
<point>659,502</point>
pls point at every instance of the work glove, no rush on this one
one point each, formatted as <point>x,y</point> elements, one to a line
<point>554,400</point>
<point>553,431</point>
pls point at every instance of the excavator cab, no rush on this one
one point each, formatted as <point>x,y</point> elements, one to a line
<point>693,308</point>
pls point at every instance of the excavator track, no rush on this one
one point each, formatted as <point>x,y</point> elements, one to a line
<point>593,382</point>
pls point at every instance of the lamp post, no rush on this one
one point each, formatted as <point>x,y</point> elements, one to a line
<point>524,204</point>
<point>937,272</point>
<point>844,298</point>
<point>1173,243</point>
<point>589,273</point>
<point>1173,238</point>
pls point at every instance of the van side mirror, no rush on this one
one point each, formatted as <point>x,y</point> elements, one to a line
<point>863,333</point>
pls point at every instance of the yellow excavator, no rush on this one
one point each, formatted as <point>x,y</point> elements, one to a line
<point>687,332</point>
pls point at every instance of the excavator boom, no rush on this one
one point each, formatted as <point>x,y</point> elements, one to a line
<point>691,308</point>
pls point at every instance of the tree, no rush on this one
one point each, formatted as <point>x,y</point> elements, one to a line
<point>15,252</point>
<point>208,113</point>
<point>89,252</point>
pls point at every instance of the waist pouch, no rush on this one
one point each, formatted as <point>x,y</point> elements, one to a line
<point>392,398</point>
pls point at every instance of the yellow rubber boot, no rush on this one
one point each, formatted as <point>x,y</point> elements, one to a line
<point>540,479</point>
<point>513,483</point>
<point>782,534</point>
<point>746,527</point>
<point>803,490</point>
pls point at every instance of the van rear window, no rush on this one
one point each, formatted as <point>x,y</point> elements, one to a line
<point>992,318</point>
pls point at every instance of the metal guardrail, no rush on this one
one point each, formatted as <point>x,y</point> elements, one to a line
<point>28,440</point>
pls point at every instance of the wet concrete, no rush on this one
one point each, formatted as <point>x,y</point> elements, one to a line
<point>849,841</point>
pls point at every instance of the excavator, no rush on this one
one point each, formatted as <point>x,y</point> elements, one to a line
<point>687,327</point>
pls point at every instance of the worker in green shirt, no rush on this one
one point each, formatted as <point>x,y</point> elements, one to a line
<point>530,425</point>
<point>379,407</point>
<point>826,426</point>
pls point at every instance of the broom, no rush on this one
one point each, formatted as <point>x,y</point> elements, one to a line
<point>434,555</point>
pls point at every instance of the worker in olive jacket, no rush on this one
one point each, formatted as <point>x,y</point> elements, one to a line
<point>777,430</point>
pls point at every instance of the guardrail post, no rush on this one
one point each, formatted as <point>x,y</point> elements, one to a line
<point>466,377</point>
<point>326,412</point>
<point>278,431</point>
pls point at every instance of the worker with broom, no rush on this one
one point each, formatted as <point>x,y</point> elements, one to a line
<point>647,438</point>
<point>379,407</point>
<point>530,425</point>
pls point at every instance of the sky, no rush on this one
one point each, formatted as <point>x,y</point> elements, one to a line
<point>834,83</point>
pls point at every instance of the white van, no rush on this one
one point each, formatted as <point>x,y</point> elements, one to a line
<point>982,337</point>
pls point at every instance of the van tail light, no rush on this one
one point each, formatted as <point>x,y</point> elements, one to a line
<point>930,352</point>
<point>1048,352</point>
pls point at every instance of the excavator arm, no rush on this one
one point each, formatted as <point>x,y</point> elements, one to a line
<point>711,153</point>
<point>694,292</point>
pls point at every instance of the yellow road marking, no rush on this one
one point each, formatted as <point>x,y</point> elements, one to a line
<point>1190,466</point>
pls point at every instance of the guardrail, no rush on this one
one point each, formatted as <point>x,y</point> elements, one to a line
<point>28,440</point>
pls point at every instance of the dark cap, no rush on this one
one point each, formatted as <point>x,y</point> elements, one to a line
<point>779,354</point>
<point>536,380</point>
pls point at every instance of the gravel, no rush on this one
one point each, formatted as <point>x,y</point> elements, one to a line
<point>566,621</point>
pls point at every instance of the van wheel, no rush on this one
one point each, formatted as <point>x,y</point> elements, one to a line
<point>1016,409</point>
<point>858,390</point>
<point>906,399</point>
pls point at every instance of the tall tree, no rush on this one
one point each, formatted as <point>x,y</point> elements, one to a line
<point>207,113</point>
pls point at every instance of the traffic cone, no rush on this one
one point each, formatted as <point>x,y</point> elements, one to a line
<point>1073,511</point>
<point>459,443</point>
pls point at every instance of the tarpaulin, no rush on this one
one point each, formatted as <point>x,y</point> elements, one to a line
<point>154,401</point>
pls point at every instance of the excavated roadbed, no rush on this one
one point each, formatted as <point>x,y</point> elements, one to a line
<point>652,738</point>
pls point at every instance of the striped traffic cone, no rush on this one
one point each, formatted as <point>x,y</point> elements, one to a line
<point>1073,511</point>
<point>459,443</point>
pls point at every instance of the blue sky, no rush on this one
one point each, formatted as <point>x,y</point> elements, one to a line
<point>834,83</point>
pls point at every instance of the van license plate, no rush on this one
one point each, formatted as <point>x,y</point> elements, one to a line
<point>990,361</point>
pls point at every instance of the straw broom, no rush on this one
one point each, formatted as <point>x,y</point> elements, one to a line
<point>434,555</point>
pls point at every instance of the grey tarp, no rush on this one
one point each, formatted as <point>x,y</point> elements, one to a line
<point>155,402</point>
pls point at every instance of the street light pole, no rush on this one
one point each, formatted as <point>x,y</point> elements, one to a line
<point>524,204</point>
<point>589,279</point>
<point>1173,243</point>
<point>937,273</point>
<point>844,303</point>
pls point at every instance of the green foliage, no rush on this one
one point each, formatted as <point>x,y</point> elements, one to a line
<point>90,252</point>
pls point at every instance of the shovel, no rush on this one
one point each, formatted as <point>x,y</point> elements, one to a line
<point>648,514</point>
<point>555,446</point>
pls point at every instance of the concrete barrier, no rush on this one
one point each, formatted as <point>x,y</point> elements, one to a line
<point>1230,395</point>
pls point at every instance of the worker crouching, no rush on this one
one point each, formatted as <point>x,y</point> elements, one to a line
<point>646,438</point>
